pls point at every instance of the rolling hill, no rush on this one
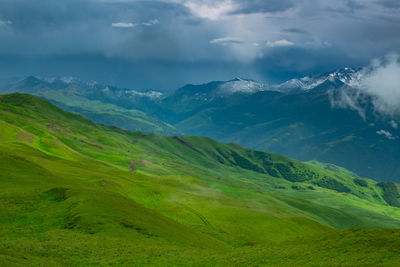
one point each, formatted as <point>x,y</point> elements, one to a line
<point>74,192</point>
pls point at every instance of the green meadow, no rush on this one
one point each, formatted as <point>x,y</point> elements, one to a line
<point>77,193</point>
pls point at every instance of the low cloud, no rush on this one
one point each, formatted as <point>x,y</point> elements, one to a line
<point>279,43</point>
<point>123,25</point>
<point>348,99</point>
<point>382,81</point>
<point>378,84</point>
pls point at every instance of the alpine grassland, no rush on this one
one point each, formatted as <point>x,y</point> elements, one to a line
<point>77,193</point>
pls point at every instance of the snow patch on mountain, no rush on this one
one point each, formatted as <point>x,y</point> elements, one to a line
<point>150,94</point>
<point>303,84</point>
<point>346,76</point>
<point>240,85</point>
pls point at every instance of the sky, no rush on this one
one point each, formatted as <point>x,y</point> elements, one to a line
<point>165,44</point>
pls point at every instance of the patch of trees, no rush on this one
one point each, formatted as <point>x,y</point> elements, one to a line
<point>297,187</point>
<point>332,184</point>
<point>390,193</point>
<point>245,163</point>
<point>273,172</point>
<point>225,157</point>
<point>292,174</point>
<point>360,182</point>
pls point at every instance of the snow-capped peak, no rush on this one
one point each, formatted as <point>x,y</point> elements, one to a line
<point>240,85</point>
<point>346,76</point>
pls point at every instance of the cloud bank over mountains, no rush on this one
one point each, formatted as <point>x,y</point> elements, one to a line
<point>129,41</point>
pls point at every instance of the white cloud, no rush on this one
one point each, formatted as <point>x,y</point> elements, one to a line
<point>225,40</point>
<point>386,134</point>
<point>123,24</point>
<point>150,22</point>
<point>382,80</point>
<point>379,82</point>
<point>393,124</point>
<point>279,43</point>
<point>347,99</point>
<point>131,25</point>
<point>7,22</point>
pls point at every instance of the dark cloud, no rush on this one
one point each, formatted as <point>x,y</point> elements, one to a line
<point>389,3</point>
<point>193,22</point>
<point>262,6</point>
<point>354,5</point>
<point>284,62</point>
<point>294,30</point>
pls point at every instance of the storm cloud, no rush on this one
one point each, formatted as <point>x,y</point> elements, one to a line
<point>125,42</point>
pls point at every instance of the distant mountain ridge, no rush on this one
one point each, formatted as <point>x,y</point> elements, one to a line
<point>64,82</point>
<point>102,103</point>
<point>346,76</point>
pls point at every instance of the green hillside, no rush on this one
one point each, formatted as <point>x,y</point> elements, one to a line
<point>74,192</point>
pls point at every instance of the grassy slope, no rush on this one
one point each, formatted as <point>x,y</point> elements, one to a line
<point>74,192</point>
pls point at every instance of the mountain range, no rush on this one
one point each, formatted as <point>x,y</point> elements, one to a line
<point>324,117</point>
